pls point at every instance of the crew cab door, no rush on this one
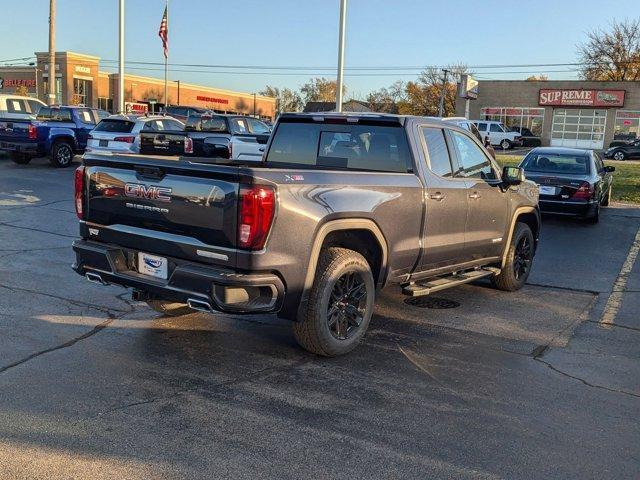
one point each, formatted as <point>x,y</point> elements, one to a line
<point>443,241</point>
<point>85,122</point>
<point>487,203</point>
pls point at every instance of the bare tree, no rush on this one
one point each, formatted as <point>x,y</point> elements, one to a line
<point>423,95</point>
<point>320,90</point>
<point>287,100</point>
<point>387,100</point>
<point>537,78</point>
<point>612,55</point>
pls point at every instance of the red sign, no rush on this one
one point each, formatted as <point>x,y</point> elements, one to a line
<point>131,107</point>
<point>17,82</point>
<point>212,99</point>
<point>581,98</point>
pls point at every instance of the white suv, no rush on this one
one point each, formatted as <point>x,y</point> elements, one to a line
<point>498,134</point>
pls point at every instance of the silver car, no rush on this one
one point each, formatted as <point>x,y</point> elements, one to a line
<point>121,133</point>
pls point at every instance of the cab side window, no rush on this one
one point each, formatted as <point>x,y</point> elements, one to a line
<point>439,160</point>
<point>482,127</point>
<point>495,128</point>
<point>473,162</point>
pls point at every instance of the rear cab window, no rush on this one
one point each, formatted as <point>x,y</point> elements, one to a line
<point>16,105</point>
<point>341,146</point>
<point>114,126</point>
<point>85,115</point>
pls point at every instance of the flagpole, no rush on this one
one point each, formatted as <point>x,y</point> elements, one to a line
<point>166,63</point>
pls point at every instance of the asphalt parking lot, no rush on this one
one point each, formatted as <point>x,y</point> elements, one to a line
<point>542,383</point>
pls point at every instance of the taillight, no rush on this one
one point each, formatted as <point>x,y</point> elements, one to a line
<point>188,145</point>
<point>255,216</point>
<point>32,133</point>
<point>79,192</point>
<point>124,139</point>
<point>584,192</point>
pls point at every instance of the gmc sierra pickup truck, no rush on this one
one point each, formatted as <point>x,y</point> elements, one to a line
<point>341,206</point>
<point>210,135</point>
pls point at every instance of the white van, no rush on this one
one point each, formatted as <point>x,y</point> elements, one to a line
<point>17,107</point>
<point>498,134</point>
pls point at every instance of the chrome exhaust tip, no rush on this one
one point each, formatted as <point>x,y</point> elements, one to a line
<point>200,305</point>
<point>95,278</point>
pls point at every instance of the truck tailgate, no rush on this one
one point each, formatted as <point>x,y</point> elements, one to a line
<point>185,210</point>
<point>14,130</point>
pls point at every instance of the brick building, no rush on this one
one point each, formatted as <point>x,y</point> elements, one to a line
<point>562,112</point>
<point>79,80</point>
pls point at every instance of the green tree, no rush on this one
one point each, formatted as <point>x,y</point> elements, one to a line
<point>422,97</point>
<point>320,90</point>
<point>612,55</point>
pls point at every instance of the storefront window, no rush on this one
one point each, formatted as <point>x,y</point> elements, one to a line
<point>81,91</point>
<point>45,87</point>
<point>627,125</point>
<point>516,117</point>
<point>105,104</point>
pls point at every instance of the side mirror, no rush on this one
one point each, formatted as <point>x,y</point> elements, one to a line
<point>609,168</point>
<point>512,175</point>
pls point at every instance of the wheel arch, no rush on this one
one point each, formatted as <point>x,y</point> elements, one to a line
<point>529,216</point>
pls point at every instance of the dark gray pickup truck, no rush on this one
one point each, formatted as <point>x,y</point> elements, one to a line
<point>340,206</point>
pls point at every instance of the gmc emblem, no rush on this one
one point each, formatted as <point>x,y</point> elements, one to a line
<point>151,192</point>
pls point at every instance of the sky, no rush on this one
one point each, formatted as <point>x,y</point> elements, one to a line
<point>304,34</point>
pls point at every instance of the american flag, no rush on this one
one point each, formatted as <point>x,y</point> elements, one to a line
<point>163,33</point>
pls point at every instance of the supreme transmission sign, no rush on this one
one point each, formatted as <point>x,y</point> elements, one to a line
<point>581,98</point>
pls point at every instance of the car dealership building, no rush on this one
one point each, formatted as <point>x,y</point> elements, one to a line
<point>562,113</point>
<point>79,80</point>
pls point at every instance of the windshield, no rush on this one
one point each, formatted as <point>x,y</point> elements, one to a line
<point>556,163</point>
<point>114,126</point>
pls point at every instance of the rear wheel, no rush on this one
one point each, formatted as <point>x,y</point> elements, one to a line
<point>20,158</point>
<point>169,309</point>
<point>340,304</point>
<point>517,266</point>
<point>595,216</point>
<point>61,154</point>
<point>619,155</point>
<point>505,144</point>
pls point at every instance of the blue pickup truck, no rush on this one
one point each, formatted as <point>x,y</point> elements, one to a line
<point>58,132</point>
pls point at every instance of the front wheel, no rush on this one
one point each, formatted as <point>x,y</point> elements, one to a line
<point>61,155</point>
<point>505,144</point>
<point>517,266</point>
<point>340,304</point>
<point>619,155</point>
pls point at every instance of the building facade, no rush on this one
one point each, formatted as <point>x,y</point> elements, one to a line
<point>79,80</point>
<point>561,112</point>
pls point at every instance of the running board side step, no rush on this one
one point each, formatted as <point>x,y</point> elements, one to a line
<point>441,283</point>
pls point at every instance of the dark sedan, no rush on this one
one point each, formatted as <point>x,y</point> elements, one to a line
<point>624,152</point>
<point>572,181</point>
<point>527,137</point>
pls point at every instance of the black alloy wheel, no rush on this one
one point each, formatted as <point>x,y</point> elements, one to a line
<point>522,257</point>
<point>62,155</point>
<point>347,305</point>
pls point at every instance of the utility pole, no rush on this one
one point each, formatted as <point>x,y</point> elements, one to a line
<point>341,39</point>
<point>254,105</point>
<point>178,101</point>
<point>121,59</point>
<point>52,53</point>
<point>442,92</point>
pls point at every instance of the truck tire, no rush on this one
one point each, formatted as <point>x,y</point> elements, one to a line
<point>340,304</point>
<point>517,267</point>
<point>505,144</point>
<point>169,309</point>
<point>61,154</point>
<point>20,158</point>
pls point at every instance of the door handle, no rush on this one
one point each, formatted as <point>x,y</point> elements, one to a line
<point>261,149</point>
<point>437,196</point>
<point>474,195</point>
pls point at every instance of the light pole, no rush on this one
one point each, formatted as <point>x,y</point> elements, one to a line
<point>341,39</point>
<point>254,105</point>
<point>121,59</point>
<point>52,53</point>
<point>178,82</point>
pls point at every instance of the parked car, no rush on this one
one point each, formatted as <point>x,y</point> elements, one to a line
<point>16,107</point>
<point>210,135</point>
<point>182,113</point>
<point>121,133</point>
<point>498,134</point>
<point>627,151</point>
<point>58,132</point>
<point>342,205</point>
<point>467,125</point>
<point>571,181</point>
<point>527,137</point>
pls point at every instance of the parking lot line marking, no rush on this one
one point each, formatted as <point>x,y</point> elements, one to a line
<point>615,299</point>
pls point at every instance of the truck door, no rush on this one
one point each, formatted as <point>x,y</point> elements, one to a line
<point>487,203</point>
<point>446,202</point>
<point>248,138</point>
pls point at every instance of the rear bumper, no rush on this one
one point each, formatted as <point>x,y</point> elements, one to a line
<point>20,147</point>
<point>581,209</point>
<point>223,289</point>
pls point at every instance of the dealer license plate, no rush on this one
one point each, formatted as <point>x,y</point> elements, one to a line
<point>152,265</point>
<point>104,143</point>
<point>548,190</point>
